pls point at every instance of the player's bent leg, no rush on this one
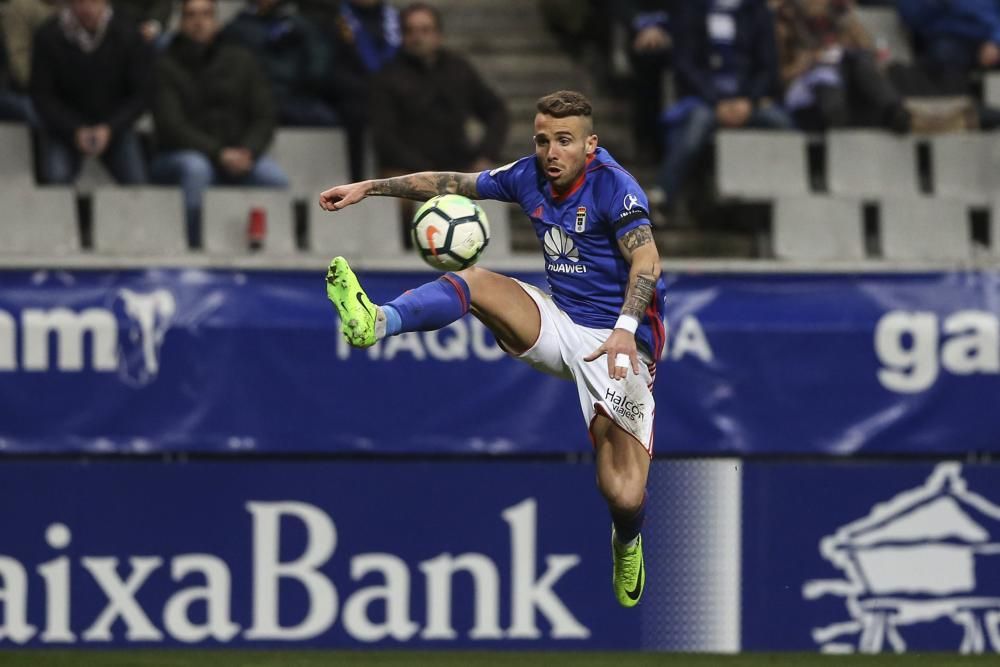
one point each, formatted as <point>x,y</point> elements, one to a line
<point>622,470</point>
<point>501,304</point>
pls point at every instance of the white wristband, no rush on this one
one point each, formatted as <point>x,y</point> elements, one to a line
<point>628,323</point>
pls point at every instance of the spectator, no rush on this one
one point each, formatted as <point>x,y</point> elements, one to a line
<point>830,70</point>
<point>366,38</point>
<point>954,37</point>
<point>423,99</point>
<point>295,57</point>
<point>583,30</point>
<point>649,55</point>
<point>214,114</point>
<point>88,85</point>
<point>149,17</point>
<point>725,65</point>
<point>20,21</point>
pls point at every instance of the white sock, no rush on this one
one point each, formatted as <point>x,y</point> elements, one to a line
<point>379,323</point>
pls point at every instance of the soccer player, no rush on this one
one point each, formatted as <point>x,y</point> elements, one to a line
<point>600,327</point>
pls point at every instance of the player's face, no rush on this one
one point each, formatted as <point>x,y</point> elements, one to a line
<point>198,22</point>
<point>562,146</point>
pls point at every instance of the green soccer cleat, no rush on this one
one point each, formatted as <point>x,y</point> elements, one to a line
<point>628,578</point>
<point>359,317</point>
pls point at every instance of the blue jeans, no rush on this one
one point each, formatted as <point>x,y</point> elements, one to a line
<point>17,107</point>
<point>123,157</point>
<point>194,172</point>
<point>692,133</point>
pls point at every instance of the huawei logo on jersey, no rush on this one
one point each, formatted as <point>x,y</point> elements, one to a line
<point>558,246</point>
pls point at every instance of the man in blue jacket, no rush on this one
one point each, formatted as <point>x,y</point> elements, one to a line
<point>955,35</point>
<point>726,74</point>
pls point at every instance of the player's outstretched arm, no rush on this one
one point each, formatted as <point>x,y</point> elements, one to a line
<point>639,250</point>
<point>420,186</point>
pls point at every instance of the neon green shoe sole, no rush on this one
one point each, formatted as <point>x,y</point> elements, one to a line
<point>629,577</point>
<point>357,312</point>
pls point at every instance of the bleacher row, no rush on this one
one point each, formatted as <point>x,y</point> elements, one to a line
<point>923,208</point>
<point>813,219</point>
<point>148,221</point>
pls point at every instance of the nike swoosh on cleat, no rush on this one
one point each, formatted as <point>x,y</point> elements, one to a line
<point>362,302</point>
<point>635,592</point>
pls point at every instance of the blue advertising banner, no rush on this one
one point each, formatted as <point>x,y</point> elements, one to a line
<point>871,558</point>
<point>351,554</point>
<point>234,361</point>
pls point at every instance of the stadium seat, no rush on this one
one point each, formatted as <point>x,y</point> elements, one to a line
<point>227,9</point>
<point>761,164</point>
<point>888,31</point>
<point>314,159</point>
<point>370,229</point>
<point>965,166</point>
<point>16,162</point>
<point>818,229</point>
<point>925,228</point>
<point>225,215</point>
<point>45,220</point>
<point>991,89</point>
<point>93,175</point>
<point>870,163</point>
<point>498,214</point>
<point>139,220</point>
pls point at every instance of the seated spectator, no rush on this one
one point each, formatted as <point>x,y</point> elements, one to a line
<point>214,114</point>
<point>954,38</point>
<point>649,56</point>
<point>20,21</point>
<point>830,70</point>
<point>423,99</point>
<point>149,17</point>
<point>295,57</point>
<point>366,38</point>
<point>583,30</point>
<point>88,84</point>
<point>725,67</point>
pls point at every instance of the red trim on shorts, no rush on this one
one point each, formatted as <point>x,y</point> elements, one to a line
<point>656,324</point>
<point>461,292</point>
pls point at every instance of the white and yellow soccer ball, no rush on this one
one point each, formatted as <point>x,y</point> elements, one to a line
<point>450,232</point>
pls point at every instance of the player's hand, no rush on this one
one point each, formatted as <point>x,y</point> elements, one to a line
<point>621,351</point>
<point>341,196</point>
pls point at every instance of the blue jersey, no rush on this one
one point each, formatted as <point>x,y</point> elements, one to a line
<point>579,233</point>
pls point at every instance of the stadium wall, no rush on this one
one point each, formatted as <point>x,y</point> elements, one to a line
<point>191,459</point>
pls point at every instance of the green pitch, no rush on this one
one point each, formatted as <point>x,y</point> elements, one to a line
<point>225,658</point>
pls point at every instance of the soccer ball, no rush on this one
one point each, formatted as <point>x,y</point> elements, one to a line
<point>450,232</point>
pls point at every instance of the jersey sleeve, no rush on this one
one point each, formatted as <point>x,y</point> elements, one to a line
<point>626,205</point>
<point>502,183</point>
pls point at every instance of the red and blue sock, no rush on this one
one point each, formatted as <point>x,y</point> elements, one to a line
<point>429,307</point>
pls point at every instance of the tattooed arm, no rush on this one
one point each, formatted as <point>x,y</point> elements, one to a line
<point>639,250</point>
<point>420,186</point>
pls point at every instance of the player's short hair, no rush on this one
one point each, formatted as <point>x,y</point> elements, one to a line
<point>414,7</point>
<point>565,103</point>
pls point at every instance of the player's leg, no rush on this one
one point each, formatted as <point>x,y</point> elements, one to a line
<point>498,301</point>
<point>622,470</point>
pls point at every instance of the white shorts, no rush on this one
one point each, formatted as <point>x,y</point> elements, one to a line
<point>561,346</point>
